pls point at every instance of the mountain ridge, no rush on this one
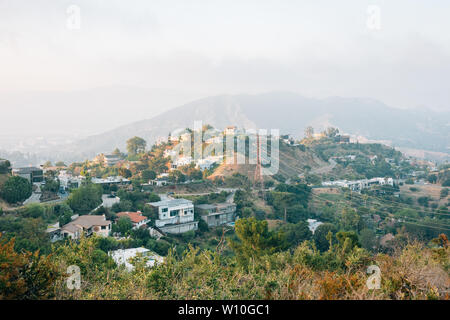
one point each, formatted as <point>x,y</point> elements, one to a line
<point>287,111</point>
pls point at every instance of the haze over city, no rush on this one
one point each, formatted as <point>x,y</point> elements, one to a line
<point>157,55</point>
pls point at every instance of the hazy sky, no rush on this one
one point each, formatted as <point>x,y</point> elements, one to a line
<point>196,48</point>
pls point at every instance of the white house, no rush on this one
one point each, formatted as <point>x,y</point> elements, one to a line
<point>126,256</point>
<point>175,215</point>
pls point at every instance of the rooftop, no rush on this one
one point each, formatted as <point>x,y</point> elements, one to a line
<point>135,217</point>
<point>171,203</point>
<point>26,170</point>
<point>86,222</point>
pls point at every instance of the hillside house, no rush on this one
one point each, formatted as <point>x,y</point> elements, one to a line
<point>88,225</point>
<point>175,215</point>
<point>217,214</point>
<point>137,219</point>
<point>126,256</point>
<point>342,139</point>
<point>67,181</point>
<point>358,185</point>
<point>107,160</point>
<point>119,181</point>
<point>32,174</point>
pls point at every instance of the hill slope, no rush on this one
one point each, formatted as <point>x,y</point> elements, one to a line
<point>291,113</point>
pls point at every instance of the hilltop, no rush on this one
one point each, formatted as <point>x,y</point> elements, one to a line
<point>289,112</point>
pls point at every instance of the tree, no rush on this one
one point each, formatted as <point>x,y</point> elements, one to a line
<point>122,206</point>
<point>350,219</point>
<point>86,198</point>
<point>117,152</point>
<point>136,145</point>
<point>309,132</point>
<point>368,239</point>
<point>33,210</point>
<point>202,226</point>
<point>51,185</point>
<point>148,175</point>
<point>332,132</point>
<point>123,225</point>
<point>16,189</point>
<point>255,240</point>
<point>60,164</point>
<point>444,193</point>
<point>25,275</point>
<point>296,233</point>
<point>177,176</point>
<point>47,164</point>
<point>321,234</point>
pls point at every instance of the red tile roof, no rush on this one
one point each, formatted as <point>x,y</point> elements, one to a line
<point>135,217</point>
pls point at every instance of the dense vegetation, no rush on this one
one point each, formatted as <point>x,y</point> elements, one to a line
<point>258,270</point>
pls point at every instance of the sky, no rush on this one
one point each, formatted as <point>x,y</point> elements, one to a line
<point>173,51</point>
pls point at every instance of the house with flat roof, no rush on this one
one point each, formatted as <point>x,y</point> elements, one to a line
<point>111,181</point>
<point>32,174</point>
<point>126,256</point>
<point>217,214</point>
<point>175,215</point>
<point>87,224</point>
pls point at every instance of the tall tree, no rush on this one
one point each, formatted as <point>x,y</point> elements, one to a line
<point>136,145</point>
<point>309,131</point>
<point>16,189</point>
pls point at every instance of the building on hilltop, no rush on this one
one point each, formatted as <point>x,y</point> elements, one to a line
<point>107,160</point>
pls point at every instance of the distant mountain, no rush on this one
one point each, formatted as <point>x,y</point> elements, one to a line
<point>289,112</point>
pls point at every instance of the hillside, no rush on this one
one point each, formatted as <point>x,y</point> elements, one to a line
<point>288,112</point>
<point>292,163</point>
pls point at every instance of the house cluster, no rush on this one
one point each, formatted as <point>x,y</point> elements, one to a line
<point>350,157</point>
<point>92,224</point>
<point>289,140</point>
<point>177,215</point>
<point>358,185</point>
<point>214,136</point>
<point>69,181</point>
